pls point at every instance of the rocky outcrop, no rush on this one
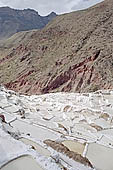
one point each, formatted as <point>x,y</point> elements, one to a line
<point>84,70</point>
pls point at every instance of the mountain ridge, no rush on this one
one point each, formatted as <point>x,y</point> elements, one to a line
<point>14,20</point>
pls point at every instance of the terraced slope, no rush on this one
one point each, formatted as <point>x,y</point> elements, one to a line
<point>74,52</point>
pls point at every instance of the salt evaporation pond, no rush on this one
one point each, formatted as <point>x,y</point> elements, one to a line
<point>36,146</point>
<point>100,156</point>
<point>36,132</point>
<point>22,163</point>
<point>74,146</point>
<point>71,117</point>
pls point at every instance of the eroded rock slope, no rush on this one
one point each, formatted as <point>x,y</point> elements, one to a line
<point>72,53</point>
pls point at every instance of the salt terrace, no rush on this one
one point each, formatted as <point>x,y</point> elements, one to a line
<point>56,131</point>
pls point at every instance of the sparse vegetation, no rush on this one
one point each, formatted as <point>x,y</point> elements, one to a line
<point>82,66</point>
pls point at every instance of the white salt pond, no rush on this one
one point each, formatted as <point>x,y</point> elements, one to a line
<point>100,156</point>
<point>37,132</point>
<point>36,146</point>
<point>22,163</point>
<point>74,146</point>
<point>65,117</point>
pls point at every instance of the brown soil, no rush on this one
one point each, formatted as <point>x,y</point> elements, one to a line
<point>98,128</point>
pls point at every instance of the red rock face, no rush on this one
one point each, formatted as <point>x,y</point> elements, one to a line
<point>78,76</point>
<point>20,83</point>
<point>75,79</point>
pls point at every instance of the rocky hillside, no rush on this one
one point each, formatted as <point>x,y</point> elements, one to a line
<point>12,21</point>
<point>74,52</point>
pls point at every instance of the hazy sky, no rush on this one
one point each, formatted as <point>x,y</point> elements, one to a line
<point>44,7</point>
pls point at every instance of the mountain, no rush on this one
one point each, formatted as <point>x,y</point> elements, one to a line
<point>13,21</point>
<point>73,53</point>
